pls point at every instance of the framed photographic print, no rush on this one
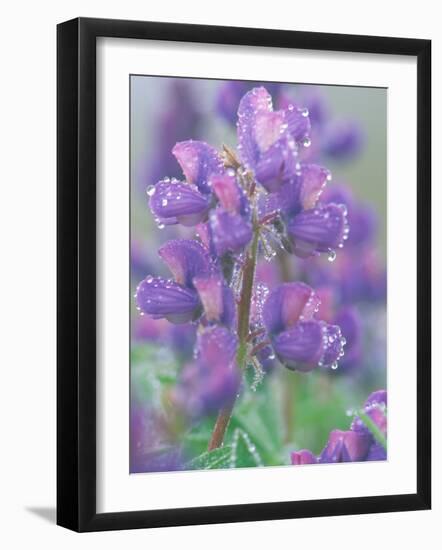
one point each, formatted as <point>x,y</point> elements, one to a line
<point>243,274</point>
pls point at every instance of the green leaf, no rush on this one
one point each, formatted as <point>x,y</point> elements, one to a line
<point>210,460</point>
<point>244,452</point>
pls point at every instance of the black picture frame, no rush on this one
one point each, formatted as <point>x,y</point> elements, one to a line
<point>76,273</point>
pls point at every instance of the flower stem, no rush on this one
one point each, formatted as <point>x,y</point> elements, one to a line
<point>244,306</point>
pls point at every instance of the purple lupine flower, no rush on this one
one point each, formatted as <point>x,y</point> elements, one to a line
<point>320,229</point>
<point>198,161</point>
<point>176,300</point>
<point>358,274</point>
<point>229,227</point>
<point>342,139</point>
<point>375,407</point>
<point>337,138</point>
<point>213,379</point>
<point>346,446</point>
<point>311,98</point>
<point>303,456</point>
<point>312,228</point>
<point>217,299</point>
<point>231,92</point>
<point>268,140</point>
<point>300,341</point>
<point>173,201</point>
<point>356,444</point>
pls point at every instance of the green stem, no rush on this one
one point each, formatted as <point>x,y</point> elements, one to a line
<point>374,429</point>
<point>225,413</point>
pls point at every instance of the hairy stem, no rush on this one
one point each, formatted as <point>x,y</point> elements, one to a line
<point>244,306</point>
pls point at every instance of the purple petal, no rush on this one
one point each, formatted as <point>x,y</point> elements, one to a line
<point>346,446</point>
<point>378,397</point>
<point>287,199</point>
<point>268,129</point>
<point>300,347</point>
<point>217,299</point>
<point>303,456</point>
<point>376,453</point>
<point>186,259</point>
<point>198,161</point>
<point>160,298</point>
<point>333,345</point>
<point>277,165</point>
<point>228,192</point>
<point>298,122</point>
<point>230,232</point>
<point>287,304</point>
<point>231,92</point>
<point>256,101</point>
<point>177,202</point>
<point>313,179</point>
<point>321,229</point>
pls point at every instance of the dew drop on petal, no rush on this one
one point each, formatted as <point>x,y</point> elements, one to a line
<point>331,255</point>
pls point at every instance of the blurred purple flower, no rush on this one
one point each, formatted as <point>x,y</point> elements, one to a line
<point>180,119</point>
<point>151,448</point>
<point>213,379</point>
<point>342,140</point>
<point>303,456</point>
<point>357,444</point>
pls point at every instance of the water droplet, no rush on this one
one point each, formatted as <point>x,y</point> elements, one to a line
<point>304,112</point>
<point>331,255</point>
<point>334,365</point>
<point>150,190</point>
<point>164,202</point>
<point>306,142</point>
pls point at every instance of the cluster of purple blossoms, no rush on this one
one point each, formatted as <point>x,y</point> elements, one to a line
<point>330,137</point>
<point>354,287</point>
<point>364,441</point>
<point>239,201</point>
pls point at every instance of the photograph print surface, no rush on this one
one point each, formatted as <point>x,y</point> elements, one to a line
<point>258,274</point>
